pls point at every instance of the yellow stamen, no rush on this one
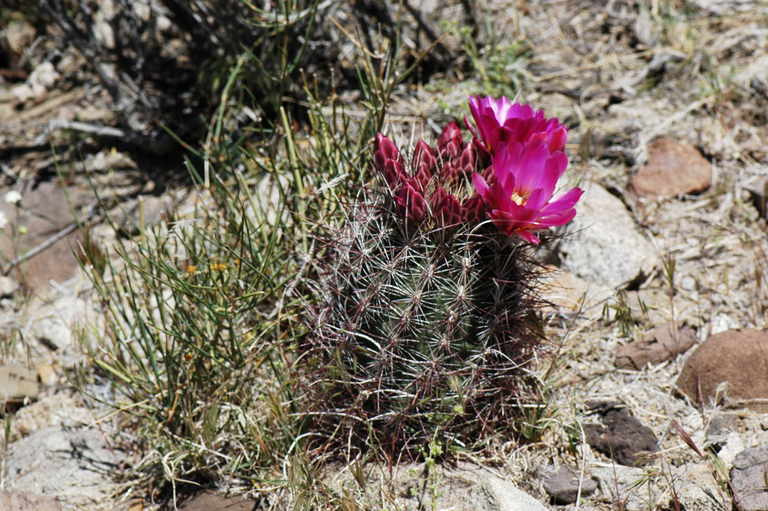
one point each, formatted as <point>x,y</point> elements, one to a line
<point>519,199</point>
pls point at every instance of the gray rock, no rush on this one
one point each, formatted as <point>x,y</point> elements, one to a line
<point>732,447</point>
<point>565,484</point>
<point>748,479</point>
<point>719,427</point>
<point>73,465</point>
<point>624,487</point>
<point>52,323</point>
<point>56,410</point>
<point>464,488</point>
<point>8,286</point>
<point>59,317</point>
<point>18,383</point>
<point>696,488</point>
<point>603,244</point>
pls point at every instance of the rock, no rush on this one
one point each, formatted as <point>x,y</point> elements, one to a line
<point>47,374</point>
<point>758,193</point>
<point>662,343</point>
<point>694,487</point>
<point>8,286</point>
<point>19,35</point>
<point>673,168</point>
<point>74,465</point>
<point>622,437</point>
<point>42,78</point>
<point>470,488</point>
<point>738,358</point>
<point>623,486</point>
<point>209,501</point>
<point>748,479</point>
<point>55,410</point>
<point>465,487</point>
<point>734,444</point>
<point>722,323</point>
<point>106,161</point>
<point>603,244</point>
<point>719,427</point>
<point>18,383</point>
<point>564,485</point>
<point>568,294</point>
<point>52,323</point>
<point>43,212</point>
<point>18,501</point>
<point>133,216</point>
<point>58,318</point>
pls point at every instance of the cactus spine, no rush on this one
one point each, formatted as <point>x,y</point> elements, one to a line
<point>426,317</point>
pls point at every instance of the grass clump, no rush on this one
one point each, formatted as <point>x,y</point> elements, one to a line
<point>203,314</point>
<point>187,321</point>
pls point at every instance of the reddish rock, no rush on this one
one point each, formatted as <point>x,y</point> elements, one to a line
<point>738,357</point>
<point>43,214</point>
<point>621,437</point>
<point>208,501</point>
<point>673,168</point>
<point>20,501</point>
<point>662,343</point>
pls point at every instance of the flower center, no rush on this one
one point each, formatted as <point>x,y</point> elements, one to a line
<point>519,198</point>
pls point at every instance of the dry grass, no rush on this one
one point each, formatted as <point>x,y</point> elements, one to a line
<point>619,75</point>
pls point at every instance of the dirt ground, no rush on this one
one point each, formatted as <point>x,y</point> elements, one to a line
<point>620,74</point>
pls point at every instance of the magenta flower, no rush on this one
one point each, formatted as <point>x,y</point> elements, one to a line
<point>524,176</point>
<point>500,121</point>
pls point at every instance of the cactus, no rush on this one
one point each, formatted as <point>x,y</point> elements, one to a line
<point>426,318</point>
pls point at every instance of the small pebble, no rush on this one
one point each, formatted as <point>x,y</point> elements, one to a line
<point>47,375</point>
<point>8,286</point>
<point>564,485</point>
<point>688,283</point>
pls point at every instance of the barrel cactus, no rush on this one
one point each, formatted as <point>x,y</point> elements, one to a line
<point>427,306</point>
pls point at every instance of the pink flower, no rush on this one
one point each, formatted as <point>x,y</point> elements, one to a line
<point>524,176</point>
<point>500,121</point>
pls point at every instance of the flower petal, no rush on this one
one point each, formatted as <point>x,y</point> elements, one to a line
<point>565,201</point>
<point>528,236</point>
<point>531,167</point>
<point>481,187</point>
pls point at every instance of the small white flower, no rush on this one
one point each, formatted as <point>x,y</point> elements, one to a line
<point>3,220</point>
<point>13,197</point>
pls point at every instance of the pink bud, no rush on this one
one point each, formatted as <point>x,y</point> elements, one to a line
<point>423,162</point>
<point>411,201</point>
<point>450,141</point>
